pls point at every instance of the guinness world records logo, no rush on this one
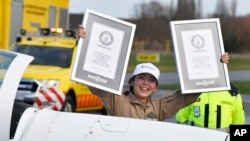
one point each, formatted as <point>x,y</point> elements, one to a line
<point>106,38</point>
<point>198,41</point>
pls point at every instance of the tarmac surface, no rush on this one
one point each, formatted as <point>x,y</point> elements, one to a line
<point>173,77</point>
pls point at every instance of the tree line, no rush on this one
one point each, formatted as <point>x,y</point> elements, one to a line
<point>152,21</point>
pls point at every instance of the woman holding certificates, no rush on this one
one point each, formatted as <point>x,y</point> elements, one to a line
<point>137,101</point>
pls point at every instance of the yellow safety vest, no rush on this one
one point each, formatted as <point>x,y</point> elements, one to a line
<point>214,110</point>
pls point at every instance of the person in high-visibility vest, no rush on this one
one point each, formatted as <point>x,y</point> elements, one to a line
<point>215,110</point>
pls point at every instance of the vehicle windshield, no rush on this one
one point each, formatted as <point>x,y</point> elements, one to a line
<point>5,61</point>
<point>51,56</point>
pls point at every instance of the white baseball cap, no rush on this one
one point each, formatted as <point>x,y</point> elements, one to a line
<point>147,68</point>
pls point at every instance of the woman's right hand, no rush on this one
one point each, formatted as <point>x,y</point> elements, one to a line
<point>225,58</point>
<point>81,31</point>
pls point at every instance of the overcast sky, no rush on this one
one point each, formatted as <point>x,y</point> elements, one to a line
<point>125,8</point>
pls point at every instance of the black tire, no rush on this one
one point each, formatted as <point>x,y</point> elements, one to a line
<point>104,111</point>
<point>69,105</point>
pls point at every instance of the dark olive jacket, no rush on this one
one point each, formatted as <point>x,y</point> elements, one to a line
<point>155,109</point>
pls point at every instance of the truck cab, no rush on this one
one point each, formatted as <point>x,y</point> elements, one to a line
<point>53,50</point>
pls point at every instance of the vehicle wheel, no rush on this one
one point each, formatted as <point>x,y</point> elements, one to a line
<point>104,111</point>
<point>69,105</point>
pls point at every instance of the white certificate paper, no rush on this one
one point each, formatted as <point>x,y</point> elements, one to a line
<point>102,57</point>
<point>198,47</point>
<point>200,54</point>
<point>103,52</point>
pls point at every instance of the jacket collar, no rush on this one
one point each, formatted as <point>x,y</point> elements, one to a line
<point>132,99</point>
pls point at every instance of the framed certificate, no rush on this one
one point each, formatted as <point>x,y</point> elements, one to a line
<point>198,47</point>
<point>102,57</point>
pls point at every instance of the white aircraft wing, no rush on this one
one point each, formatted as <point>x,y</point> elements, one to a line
<point>48,125</point>
<point>12,66</point>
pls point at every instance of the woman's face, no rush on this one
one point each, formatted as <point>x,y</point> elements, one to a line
<point>144,85</point>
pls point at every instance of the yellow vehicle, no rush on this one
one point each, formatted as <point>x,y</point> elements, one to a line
<point>54,51</point>
<point>30,15</point>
